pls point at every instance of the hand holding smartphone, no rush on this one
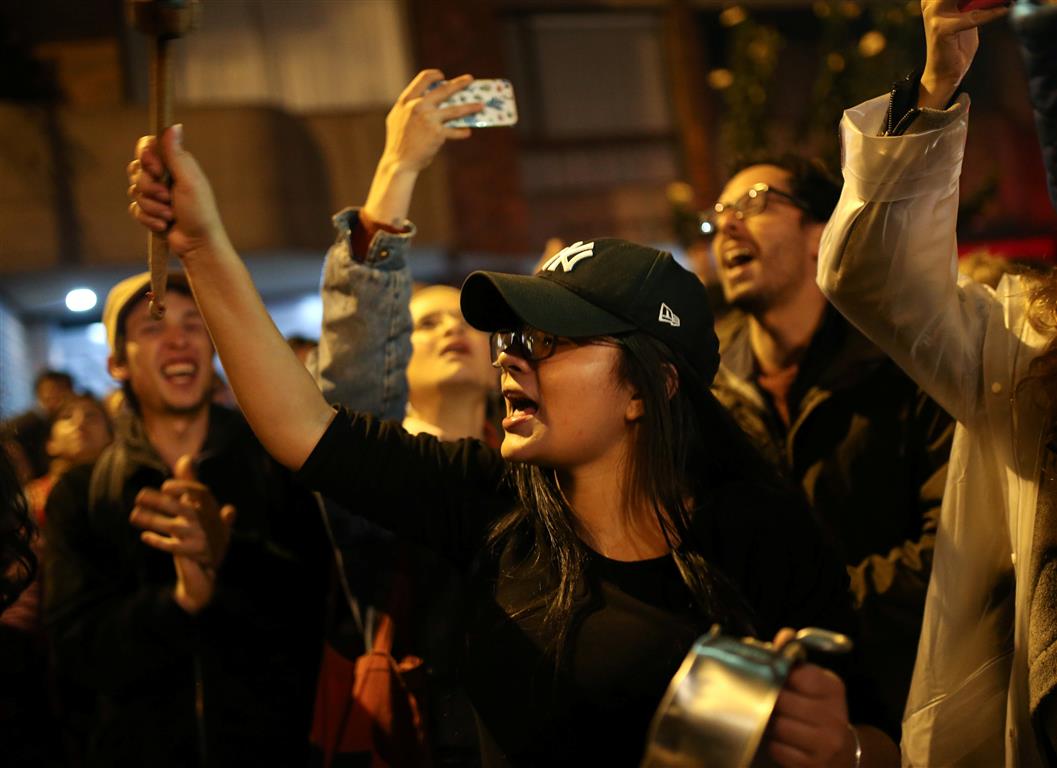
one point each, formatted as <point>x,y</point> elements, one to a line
<point>497,95</point>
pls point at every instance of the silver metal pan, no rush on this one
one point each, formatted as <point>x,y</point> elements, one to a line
<point>720,701</point>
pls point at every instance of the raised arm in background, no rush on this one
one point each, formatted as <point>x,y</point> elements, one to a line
<point>414,133</point>
<point>888,256</point>
<point>364,345</point>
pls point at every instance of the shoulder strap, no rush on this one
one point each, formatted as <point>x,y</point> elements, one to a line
<point>339,560</point>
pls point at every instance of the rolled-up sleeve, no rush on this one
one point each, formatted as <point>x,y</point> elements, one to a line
<point>888,257</point>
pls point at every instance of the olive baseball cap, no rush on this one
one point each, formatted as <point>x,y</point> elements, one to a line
<point>124,296</point>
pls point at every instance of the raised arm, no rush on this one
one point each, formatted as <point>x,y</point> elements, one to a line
<point>364,345</point>
<point>888,256</point>
<point>414,133</point>
<point>275,391</point>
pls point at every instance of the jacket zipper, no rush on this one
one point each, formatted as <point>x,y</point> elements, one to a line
<point>898,128</point>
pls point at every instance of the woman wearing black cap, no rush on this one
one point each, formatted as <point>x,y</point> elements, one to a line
<point>625,515</point>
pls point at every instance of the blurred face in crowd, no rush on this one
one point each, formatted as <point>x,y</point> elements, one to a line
<point>80,432</point>
<point>767,258</point>
<point>51,394</point>
<point>569,410</point>
<point>167,362</point>
<point>445,351</point>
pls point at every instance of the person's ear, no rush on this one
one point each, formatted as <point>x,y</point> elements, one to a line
<point>119,371</point>
<point>635,410</point>
<point>671,380</point>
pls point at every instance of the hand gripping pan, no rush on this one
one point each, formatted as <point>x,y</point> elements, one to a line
<point>719,702</point>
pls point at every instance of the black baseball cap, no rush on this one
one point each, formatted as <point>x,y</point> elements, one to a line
<point>601,287</point>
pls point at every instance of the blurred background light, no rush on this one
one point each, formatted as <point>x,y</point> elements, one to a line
<point>81,300</point>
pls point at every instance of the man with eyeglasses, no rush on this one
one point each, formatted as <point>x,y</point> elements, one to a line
<point>827,407</point>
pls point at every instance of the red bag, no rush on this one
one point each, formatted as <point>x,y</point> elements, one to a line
<point>368,705</point>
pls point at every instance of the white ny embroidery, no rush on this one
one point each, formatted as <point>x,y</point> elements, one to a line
<point>567,258</point>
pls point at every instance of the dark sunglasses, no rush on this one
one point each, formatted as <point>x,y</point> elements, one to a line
<point>526,342</point>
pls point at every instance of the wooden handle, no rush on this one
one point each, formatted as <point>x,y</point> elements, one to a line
<point>160,119</point>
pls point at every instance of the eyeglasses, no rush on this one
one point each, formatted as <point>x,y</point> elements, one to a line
<point>748,205</point>
<point>526,342</point>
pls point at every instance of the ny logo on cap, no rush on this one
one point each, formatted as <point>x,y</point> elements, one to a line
<point>667,316</point>
<point>567,258</point>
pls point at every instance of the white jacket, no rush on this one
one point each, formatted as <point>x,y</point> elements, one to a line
<point>889,262</point>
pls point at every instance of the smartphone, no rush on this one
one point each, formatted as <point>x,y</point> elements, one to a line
<point>499,106</point>
<point>976,5</point>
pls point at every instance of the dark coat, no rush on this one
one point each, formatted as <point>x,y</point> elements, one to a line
<point>1037,30</point>
<point>870,451</point>
<point>155,686</point>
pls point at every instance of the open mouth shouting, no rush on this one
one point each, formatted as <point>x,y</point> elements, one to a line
<point>737,257</point>
<point>520,408</point>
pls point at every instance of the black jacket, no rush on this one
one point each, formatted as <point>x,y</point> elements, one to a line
<point>231,686</point>
<point>1037,29</point>
<point>870,451</point>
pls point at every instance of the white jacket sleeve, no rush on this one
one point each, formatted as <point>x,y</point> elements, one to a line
<point>888,258</point>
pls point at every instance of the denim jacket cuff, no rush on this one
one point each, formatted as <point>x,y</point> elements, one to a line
<point>388,250</point>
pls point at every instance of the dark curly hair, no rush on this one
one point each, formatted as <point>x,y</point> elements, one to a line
<point>810,181</point>
<point>18,564</point>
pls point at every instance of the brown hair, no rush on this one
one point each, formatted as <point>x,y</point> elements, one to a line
<point>1042,372</point>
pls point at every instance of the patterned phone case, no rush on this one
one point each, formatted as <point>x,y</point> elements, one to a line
<point>499,105</point>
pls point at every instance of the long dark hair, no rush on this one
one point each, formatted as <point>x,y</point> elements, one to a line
<point>18,564</point>
<point>686,449</point>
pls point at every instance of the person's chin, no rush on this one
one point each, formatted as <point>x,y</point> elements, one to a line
<point>518,448</point>
<point>744,297</point>
<point>187,406</point>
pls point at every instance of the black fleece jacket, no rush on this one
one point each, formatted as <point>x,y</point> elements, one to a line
<point>232,685</point>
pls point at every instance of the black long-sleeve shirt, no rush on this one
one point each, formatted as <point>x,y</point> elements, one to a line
<point>633,621</point>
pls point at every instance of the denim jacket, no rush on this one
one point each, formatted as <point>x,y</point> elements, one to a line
<point>365,342</point>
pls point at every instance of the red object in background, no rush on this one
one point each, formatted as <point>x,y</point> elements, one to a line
<point>975,5</point>
<point>1039,248</point>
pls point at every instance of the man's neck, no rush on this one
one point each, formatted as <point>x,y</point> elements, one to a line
<point>454,413</point>
<point>174,435</point>
<point>780,335</point>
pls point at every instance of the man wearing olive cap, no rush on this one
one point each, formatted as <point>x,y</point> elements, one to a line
<point>197,627</point>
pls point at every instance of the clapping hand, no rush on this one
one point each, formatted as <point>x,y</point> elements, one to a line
<point>184,519</point>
